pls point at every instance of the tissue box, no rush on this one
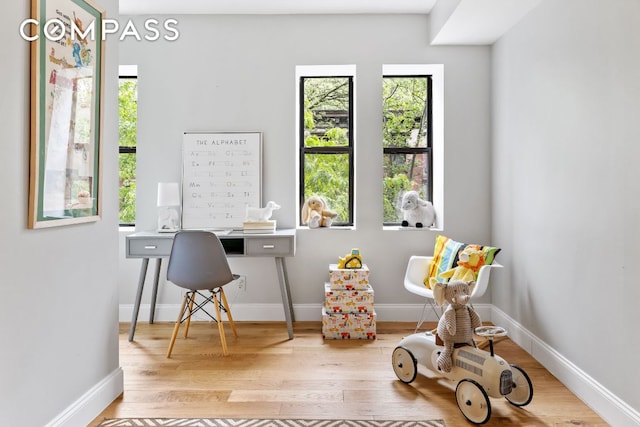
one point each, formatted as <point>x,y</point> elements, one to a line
<point>348,301</point>
<point>344,326</point>
<point>349,278</point>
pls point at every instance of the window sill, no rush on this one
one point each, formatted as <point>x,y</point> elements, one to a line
<point>333,227</point>
<point>400,228</point>
<point>126,228</point>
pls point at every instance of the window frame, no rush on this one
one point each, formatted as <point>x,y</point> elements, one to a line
<point>348,149</point>
<point>129,73</point>
<point>428,150</point>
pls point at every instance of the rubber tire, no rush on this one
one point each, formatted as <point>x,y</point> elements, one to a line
<point>405,365</point>
<point>471,398</point>
<point>522,392</point>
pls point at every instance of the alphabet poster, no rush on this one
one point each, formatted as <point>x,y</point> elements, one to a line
<point>221,176</point>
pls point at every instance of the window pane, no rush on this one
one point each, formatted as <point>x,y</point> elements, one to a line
<point>128,110</point>
<point>326,111</point>
<point>403,172</point>
<point>405,111</point>
<point>127,162</point>
<point>406,131</point>
<point>327,175</point>
<point>326,142</point>
<point>128,122</point>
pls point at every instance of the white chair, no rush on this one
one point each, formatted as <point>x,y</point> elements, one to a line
<point>416,272</point>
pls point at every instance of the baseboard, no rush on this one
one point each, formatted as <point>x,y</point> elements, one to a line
<point>89,405</point>
<point>611,408</point>
<point>302,312</point>
<point>241,312</point>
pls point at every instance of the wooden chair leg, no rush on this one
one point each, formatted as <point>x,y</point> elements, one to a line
<point>188,322</point>
<point>223,340</point>
<point>177,326</point>
<point>226,307</point>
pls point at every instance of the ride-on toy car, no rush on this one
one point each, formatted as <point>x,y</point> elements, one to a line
<point>478,373</point>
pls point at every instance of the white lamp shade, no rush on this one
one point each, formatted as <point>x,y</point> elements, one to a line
<point>168,194</point>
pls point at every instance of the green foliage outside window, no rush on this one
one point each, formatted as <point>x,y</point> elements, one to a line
<point>404,102</point>
<point>326,127</point>
<point>393,187</point>
<point>128,119</point>
<point>405,130</point>
<point>327,175</point>
<point>406,158</point>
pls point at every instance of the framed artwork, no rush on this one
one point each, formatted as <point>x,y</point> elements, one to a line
<point>67,67</point>
<point>221,177</point>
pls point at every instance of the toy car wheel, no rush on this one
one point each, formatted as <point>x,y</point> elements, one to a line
<point>473,401</point>
<point>522,391</point>
<point>404,365</point>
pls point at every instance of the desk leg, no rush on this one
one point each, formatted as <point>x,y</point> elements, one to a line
<point>136,306</point>
<point>281,270</point>
<point>154,294</point>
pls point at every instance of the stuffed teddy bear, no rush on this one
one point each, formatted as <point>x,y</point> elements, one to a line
<point>316,213</point>
<point>458,321</point>
<point>470,260</point>
<point>416,212</point>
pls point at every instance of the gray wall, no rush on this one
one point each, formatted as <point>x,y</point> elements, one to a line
<point>547,124</point>
<point>59,297</point>
<point>238,73</point>
<point>566,183</point>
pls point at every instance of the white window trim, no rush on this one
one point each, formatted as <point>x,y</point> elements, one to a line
<point>128,70</point>
<point>324,71</point>
<point>437,85</point>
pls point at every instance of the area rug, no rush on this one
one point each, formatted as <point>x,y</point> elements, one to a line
<point>234,422</point>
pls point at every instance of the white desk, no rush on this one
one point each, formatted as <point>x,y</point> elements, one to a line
<point>278,245</point>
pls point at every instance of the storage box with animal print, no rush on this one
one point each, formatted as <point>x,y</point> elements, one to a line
<point>348,301</point>
<point>345,326</point>
<point>348,278</point>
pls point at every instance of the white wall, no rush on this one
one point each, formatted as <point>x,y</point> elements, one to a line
<point>238,73</point>
<point>566,99</point>
<point>58,303</point>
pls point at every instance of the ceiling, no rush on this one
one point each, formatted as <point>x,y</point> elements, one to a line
<point>137,7</point>
<point>453,22</point>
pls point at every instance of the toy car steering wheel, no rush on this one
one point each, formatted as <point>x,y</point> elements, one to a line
<point>491,331</point>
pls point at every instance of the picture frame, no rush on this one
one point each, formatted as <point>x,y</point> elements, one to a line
<point>221,177</point>
<point>67,69</point>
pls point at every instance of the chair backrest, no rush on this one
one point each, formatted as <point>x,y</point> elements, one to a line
<point>483,280</point>
<point>198,261</point>
<point>418,266</point>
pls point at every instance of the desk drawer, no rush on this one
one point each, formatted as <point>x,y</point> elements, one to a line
<point>279,246</point>
<point>149,248</point>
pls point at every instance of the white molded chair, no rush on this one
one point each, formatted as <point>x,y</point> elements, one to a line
<point>416,272</point>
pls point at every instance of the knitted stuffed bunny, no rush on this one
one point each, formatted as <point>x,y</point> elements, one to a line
<point>316,213</point>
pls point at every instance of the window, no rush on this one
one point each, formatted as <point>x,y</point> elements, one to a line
<point>128,119</point>
<point>407,135</point>
<point>326,141</point>
<point>413,136</point>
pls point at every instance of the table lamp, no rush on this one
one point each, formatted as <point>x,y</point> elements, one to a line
<point>168,207</point>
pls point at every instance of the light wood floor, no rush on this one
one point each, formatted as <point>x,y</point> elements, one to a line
<point>269,376</point>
